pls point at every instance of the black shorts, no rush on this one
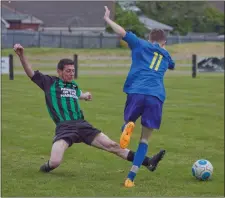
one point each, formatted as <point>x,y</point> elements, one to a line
<point>75,131</point>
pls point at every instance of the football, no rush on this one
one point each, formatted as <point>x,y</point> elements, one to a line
<point>202,170</point>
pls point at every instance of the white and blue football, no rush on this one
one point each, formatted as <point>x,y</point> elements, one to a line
<point>202,169</point>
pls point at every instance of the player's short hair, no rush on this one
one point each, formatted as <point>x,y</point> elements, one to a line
<point>64,62</point>
<point>157,35</point>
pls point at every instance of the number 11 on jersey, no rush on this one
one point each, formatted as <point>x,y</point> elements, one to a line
<point>156,55</point>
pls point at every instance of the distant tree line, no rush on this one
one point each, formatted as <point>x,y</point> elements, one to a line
<point>183,16</point>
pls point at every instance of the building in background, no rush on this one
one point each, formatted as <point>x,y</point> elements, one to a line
<point>68,16</point>
<point>15,20</point>
<point>4,24</point>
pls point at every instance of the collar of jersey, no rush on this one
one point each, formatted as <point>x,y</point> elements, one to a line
<point>66,83</point>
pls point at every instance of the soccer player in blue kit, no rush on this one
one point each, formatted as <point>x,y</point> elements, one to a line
<point>145,90</point>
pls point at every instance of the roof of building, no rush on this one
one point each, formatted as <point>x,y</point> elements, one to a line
<point>150,23</point>
<point>65,13</point>
<point>4,23</point>
<point>9,14</point>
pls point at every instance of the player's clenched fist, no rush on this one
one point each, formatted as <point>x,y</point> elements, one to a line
<point>18,49</point>
<point>88,96</point>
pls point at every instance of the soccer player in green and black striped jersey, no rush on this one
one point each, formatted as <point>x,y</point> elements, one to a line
<point>62,96</point>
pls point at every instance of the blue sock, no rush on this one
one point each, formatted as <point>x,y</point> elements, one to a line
<point>138,158</point>
<point>131,175</point>
<point>122,128</point>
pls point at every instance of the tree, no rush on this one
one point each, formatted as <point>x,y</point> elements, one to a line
<point>128,20</point>
<point>184,16</point>
<point>213,21</point>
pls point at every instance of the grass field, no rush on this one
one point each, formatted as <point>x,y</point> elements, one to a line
<point>202,48</point>
<point>192,128</point>
<point>46,59</point>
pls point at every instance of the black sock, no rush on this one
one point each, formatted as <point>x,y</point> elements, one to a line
<point>130,157</point>
<point>47,167</point>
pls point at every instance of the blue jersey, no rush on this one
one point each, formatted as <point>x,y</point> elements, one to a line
<point>149,64</point>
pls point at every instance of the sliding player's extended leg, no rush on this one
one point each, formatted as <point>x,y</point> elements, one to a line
<point>102,141</point>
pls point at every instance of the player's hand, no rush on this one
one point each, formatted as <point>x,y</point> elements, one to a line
<point>107,13</point>
<point>88,96</point>
<point>18,49</point>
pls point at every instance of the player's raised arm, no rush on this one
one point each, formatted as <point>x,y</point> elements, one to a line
<point>116,28</point>
<point>27,67</point>
<point>129,37</point>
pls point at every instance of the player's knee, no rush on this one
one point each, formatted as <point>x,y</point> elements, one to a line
<point>144,140</point>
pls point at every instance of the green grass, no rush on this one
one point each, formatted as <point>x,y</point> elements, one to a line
<point>192,128</point>
<point>47,68</point>
<point>186,49</point>
<point>46,59</point>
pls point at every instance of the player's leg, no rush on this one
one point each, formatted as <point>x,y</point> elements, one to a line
<point>102,141</point>
<point>132,111</point>
<point>65,136</point>
<point>57,153</point>
<point>96,138</point>
<point>139,157</point>
<point>151,119</point>
<point>146,134</point>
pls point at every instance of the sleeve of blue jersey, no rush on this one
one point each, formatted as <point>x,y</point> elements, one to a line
<point>171,64</point>
<point>131,39</point>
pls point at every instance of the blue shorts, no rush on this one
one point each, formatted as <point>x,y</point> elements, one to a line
<point>146,106</point>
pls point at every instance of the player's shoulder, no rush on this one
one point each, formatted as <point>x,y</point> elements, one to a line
<point>164,52</point>
<point>42,80</point>
<point>39,74</point>
<point>144,42</point>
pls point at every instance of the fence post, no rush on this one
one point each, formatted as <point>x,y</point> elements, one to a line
<point>75,58</point>
<point>60,39</point>
<point>13,37</point>
<point>82,40</point>
<point>101,38</point>
<point>194,65</point>
<point>39,38</point>
<point>11,73</point>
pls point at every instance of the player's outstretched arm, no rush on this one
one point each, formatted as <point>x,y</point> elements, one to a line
<point>27,67</point>
<point>116,28</point>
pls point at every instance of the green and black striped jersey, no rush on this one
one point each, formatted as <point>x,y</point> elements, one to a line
<point>62,98</point>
